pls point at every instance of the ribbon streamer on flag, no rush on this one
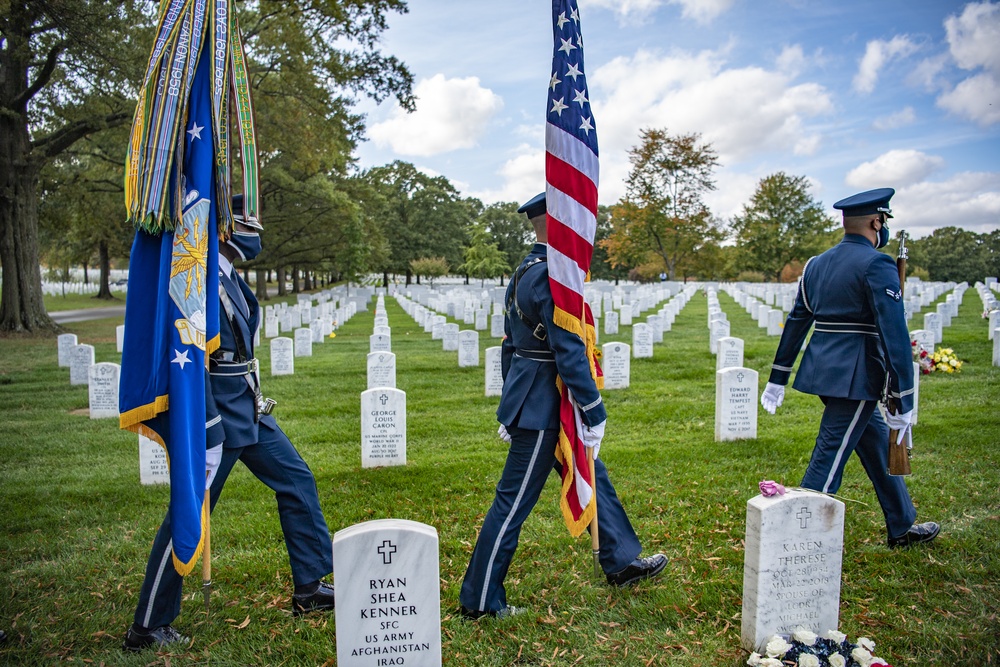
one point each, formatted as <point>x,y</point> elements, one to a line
<point>177,195</point>
<point>571,177</point>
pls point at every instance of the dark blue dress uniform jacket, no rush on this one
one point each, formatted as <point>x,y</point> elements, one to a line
<point>232,398</point>
<point>530,399</point>
<point>852,295</point>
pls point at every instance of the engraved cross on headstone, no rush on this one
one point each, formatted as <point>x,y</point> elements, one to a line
<point>387,550</point>
<point>740,376</point>
<point>803,517</point>
<point>384,398</point>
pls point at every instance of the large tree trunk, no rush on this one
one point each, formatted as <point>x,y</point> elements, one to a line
<point>22,309</point>
<point>261,287</point>
<point>104,292</point>
<point>86,274</point>
<point>281,281</point>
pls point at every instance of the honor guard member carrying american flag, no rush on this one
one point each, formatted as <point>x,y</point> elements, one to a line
<point>534,351</point>
<point>851,294</point>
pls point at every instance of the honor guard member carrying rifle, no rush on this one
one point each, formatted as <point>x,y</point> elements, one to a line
<point>251,435</point>
<point>534,351</point>
<point>851,293</point>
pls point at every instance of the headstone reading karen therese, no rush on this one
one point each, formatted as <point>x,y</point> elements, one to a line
<point>388,609</point>
<point>103,390</point>
<point>383,427</point>
<point>282,359</point>
<point>735,404</point>
<point>792,565</point>
<point>153,467</point>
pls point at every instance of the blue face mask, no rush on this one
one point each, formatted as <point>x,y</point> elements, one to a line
<point>883,236</point>
<point>246,244</point>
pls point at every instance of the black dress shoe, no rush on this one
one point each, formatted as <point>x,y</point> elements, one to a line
<point>137,639</point>
<point>475,614</point>
<point>918,532</point>
<point>639,569</point>
<point>322,599</point>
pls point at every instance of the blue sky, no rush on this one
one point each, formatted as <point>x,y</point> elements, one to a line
<point>852,95</point>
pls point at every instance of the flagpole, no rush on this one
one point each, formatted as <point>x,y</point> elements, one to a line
<point>594,540</point>
<point>206,565</point>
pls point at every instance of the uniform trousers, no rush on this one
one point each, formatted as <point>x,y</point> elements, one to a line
<point>531,458</point>
<point>857,426</point>
<point>275,462</point>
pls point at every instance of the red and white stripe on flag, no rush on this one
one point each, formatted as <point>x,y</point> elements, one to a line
<point>571,178</point>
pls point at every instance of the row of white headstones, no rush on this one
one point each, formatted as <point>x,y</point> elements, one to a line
<point>388,599</point>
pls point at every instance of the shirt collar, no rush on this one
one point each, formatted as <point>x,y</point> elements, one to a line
<point>225,266</point>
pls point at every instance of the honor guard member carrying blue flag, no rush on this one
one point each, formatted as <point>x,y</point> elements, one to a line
<point>251,435</point>
<point>851,294</point>
<point>534,351</point>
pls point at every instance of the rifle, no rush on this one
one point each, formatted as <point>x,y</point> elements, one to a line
<point>899,453</point>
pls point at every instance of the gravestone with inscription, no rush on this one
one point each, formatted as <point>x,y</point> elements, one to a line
<point>611,323</point>
<point>270,327</point>
<point>924,339</point>
<point>468,348</point>
<point>449,339</point>
<point>379,343</point>
<point>80,360</point>
<point>66,343</point>
<point>303,342</point>
<point>494,373</point>
<point>153,467</point>
<point>381,370</point>
<point>496,326</point>
<point>388,595</point>
<point>616,364</point>
<point>791,566</point>
<point>383,427</point>
<point>282,358</point>
<point>730,354</point>
<point>735,404</point>
<point>103,390</point>
<point>642,341</point>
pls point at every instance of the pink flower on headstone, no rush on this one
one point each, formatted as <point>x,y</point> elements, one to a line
<point>770,488</point>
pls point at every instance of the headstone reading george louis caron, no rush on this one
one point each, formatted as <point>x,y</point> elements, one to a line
<point>383,427</point>
<point>792,565</point>
<point>388,609</point>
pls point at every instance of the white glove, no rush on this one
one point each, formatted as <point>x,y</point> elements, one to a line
<point>213,459</point>
<point>773,397</point>
<point>592,436</point>
<point>900,422</point>
<point>504,435</point>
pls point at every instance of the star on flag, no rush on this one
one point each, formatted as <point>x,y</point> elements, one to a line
<point>181,358</point>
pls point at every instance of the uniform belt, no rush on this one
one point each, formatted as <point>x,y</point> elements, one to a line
<point>232,368</point>
<point>535,355</point>
<point>847,327</point>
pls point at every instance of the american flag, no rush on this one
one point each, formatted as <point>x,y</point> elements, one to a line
<point>571,175</point>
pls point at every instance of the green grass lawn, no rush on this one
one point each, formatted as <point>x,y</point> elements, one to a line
<point>77,525</point>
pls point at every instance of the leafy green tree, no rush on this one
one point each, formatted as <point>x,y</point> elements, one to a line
<point>782,223</point>
<point>483,259</point>
<point>953,254</point>
<point>600,265</point>
<point>510,231</point>
<point>663,215</point>
<point>421,216</point>
<point>67,70</point>
<point>430,267</point>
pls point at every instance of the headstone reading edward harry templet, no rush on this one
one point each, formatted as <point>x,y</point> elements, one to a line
<point>735,404</point>
<point>383,427</point>
<point>103,390</point>
<point>792,565</point>
<point>388,594</point>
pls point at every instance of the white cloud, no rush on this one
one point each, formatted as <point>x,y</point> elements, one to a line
<point>969,200</point>
<point>973,37</point>
<point>741,111</point>
<point>977,98</point>
<point>701,11</point>
<point>879,53</point>
<point>972,41</point>
<point>451,114</point>
<point>897,168</point>
<point>790,60</point>
<point>903,117</point>
<point>522,177</point>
